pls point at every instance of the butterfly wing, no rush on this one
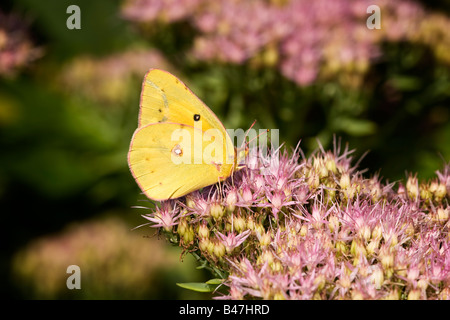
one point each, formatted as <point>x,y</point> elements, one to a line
<point>165,98</point>
<point>167,163</point>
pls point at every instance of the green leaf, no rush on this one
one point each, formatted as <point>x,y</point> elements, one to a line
<point>197,286</point>
<point>356,127</point>
<point>405,83</point>
<point>215,281</point>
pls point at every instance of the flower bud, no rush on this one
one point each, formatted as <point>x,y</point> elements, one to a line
<point>219,249</point>
<point>345,281</point>
<point>433,186</point>
<point>424,191</point>
<point>377,278</point>
<point>422,284</point>
<point>409,230</point>
<point>412,187</point>
<point>182,227</point>
<point>323,172</point>
<point>279,296</point>
<point>216,211</point>
<point>341,247</point>
<point>364,232</point>
<point>441,215</point>
<point>259,228</point>
<point>386,257</point>
<point>313,181</point>
<point>377,232</point>
<point>320,281</point>
<point>333,223</point>
<point>239,224</point>
<point>251,223</point>
<point>266,256</point>
<point>276,266</point>
<point>203,244</point>
<point>413,274</point>
<point>190,201</point>
<point>445,294</point>
<point>394,294</point>
<point>375,192</point>
<point>210,246</point>
<point>259,182</point>
<point>247,195</point>
<point>440,192</point>
<point>357,249</point>
<point>231,200</point>
<point>344,182</point>
<point>414,294</point>
<point>330,163</point>
<point>265,239</point>
<point>203,231</point>
<point>357,295</point>
<point>372,246</point>
<point>188,235</point>
<point>303,230</point>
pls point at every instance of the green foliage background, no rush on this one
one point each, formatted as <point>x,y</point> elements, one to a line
<point>63,153</point>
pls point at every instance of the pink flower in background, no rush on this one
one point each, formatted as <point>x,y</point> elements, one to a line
<point>16,48</point>
<point>306,40</point>
<point>107,79</point>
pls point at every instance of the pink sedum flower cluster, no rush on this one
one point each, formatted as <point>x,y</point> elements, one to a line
<point>290,227</point>
<point>16,48</point>
<point>305,40</point>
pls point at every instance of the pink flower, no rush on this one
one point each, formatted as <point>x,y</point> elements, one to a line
<point>231,240</point>
<point>165,216</point>
<point>374,242</point>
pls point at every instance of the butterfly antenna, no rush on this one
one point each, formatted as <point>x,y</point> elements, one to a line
<point>246,134</point>
<point>265,132</point>
<point>250,141</point>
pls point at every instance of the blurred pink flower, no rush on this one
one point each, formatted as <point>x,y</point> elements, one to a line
<point>108,79</point>
<point>311,39</point>
<point>16,48</point>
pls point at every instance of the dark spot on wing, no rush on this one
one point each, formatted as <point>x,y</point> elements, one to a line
<point>196,117</point>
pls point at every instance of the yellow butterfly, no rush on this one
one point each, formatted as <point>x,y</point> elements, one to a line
<point>180,145</point>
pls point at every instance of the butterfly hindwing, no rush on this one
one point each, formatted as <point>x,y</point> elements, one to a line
<point>167,164</point>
